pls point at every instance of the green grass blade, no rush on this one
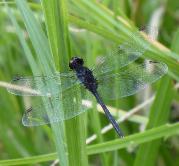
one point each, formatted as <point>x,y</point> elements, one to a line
<point>44,57</point>
<point>123,30</point>
<point>164,131</point>
<point>23,42</point>
<point>135,139</point>
<point>56,17</point>
<point>29,160</point>
<point>159,114</point>
<point>37,37</point>
<point>57,28</point>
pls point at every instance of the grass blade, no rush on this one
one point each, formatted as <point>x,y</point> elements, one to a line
<point>44,57</point>
<point>159,115</point>
<point>133,140</point>
<point>56,17</point>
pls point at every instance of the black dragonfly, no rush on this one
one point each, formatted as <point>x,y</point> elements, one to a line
<point>115,76</point>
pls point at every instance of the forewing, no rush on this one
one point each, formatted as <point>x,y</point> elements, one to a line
<point>130,79</point>
<point>42,85</point>
<point>122,55</point>
<point>46,110</point>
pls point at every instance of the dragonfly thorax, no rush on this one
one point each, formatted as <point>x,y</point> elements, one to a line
<point>84,74</point>
<point>86,77</point>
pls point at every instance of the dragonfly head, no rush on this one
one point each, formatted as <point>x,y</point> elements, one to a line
<point>76,62</point>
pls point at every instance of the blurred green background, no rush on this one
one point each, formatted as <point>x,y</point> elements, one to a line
<point>36,31</point>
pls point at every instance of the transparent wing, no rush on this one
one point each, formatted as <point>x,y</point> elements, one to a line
<point>42,85</point>
<point>131,79</point>
<point>123,54</point>
<point>44,110</point>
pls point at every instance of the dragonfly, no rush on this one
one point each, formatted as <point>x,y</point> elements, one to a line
<point>119,74</point>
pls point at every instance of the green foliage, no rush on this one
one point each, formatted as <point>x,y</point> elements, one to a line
<point>40,38</point>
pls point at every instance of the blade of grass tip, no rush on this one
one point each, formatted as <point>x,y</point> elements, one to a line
<point>40,44</point>
<point>56,18</point>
